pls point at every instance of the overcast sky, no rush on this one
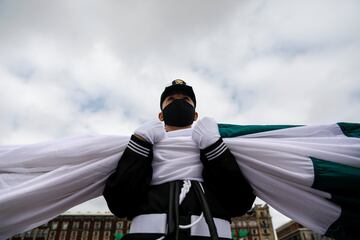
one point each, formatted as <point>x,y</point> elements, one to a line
<point>75,67</point>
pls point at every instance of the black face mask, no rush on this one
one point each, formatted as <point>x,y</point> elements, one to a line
<point>179,113</point>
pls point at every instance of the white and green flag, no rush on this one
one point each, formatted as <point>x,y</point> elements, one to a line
<point>309,173</point>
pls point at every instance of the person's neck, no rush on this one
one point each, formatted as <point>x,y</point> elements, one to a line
<point>174,128</point>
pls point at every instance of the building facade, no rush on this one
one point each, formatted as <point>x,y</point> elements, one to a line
<point>255,225</point>
<point>295,231</point>
<point>79,227</point>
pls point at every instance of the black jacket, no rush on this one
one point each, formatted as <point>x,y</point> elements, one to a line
<point>128,191</point>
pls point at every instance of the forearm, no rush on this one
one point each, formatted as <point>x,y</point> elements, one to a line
<point>125,187</point>
<point>224,177</point>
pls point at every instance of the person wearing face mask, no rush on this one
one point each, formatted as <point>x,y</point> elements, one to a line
<point>180,194</point>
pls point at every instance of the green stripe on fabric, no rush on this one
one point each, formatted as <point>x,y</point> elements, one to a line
<point>342,182</point>
<point>231,130</point>
<point>335,177</point>
<point>350,129</point>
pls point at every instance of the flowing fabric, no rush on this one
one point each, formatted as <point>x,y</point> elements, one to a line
<point>309,173</point>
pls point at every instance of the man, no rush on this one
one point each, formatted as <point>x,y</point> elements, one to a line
<point>193,200</point>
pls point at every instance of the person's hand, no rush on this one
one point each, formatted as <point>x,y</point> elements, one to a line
<point>205,132</point>
<point>152,131</point>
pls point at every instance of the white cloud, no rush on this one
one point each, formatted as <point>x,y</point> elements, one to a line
<point>72,67</point>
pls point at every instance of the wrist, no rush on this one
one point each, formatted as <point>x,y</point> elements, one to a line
<point>140,137</point>
<point>215,150</point>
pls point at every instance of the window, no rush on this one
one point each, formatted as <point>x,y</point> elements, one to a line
<point>84,235</point>
<point>54,225</point>
<point>62,235</point>
<point>252,223</point>
<point>254,232</point>
<point>86,225</point>
<point>264,224</point>
<point>97,225</point>
<point>40,233</point>
<point>244,223</point>
<point>119,224</point>
<point>73,235</point>
<point>34,232</point>
<point>45,233</point>
<point>108,225</point>
<point>65,225</point>
<point>96,235</point>
<point>28,234</point>
<point>239,224</point>
<point>107,235</point>
<point>75,225</point>
<point>52,235</point>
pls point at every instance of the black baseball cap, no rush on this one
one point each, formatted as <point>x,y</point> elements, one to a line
<point>178,86</point>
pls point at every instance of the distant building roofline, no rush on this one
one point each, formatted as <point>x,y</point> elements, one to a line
<point>88,213</point>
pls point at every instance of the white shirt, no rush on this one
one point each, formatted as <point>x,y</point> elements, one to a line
<point>176,157</point>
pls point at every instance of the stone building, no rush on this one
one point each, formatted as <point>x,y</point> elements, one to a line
<point>255,225</point>
<point>295,231</point>
<point>103,226</point>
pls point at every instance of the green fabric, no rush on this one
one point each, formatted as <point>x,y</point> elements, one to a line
<point>118,236</point>
<point>336,177</point>
<point>231,130</point>
<point>350,129</point>
<point>343,183</point>
<point>346,226</point>
<point>243,233</point>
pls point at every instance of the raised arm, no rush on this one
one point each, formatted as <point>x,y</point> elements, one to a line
<point>221,172</point>
<point>127,186</point>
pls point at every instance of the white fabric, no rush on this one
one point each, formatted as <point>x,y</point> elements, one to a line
<point>40,181</point>
<point>206,132</point>
<point>176,157</point>
<point>223,227</point>
<point>279,169</point>
<point>152,131</point>
<point>149,223</point>
<point>156,223</point>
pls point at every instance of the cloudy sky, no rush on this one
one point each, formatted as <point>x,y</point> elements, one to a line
<point>74,67</point>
